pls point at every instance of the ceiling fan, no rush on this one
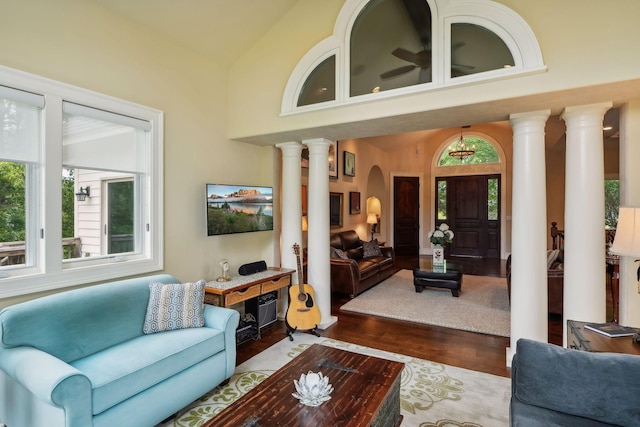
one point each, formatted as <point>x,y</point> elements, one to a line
<point>421,19</point>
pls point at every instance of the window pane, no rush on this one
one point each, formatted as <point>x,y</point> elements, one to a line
<point>120,217</point>
<point>442,199</point>
<point>19,144</point>
<point>12,214</point>
<point>105,160</point>
<point>320,86</point>
<point>390,46</point>
<point>611,202</point>
<point>492,199</point>
<point>475,49</point>
<point>484,153</point>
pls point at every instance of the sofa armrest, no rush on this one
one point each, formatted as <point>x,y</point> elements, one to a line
<point>227,320</point>
<point>51,380</point>
<point>345,276</point>
<point>387,251</point>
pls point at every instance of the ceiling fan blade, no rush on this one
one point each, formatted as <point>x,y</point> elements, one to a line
<point>397,71</point>
<point>463,67</point>
<point>405,55</point>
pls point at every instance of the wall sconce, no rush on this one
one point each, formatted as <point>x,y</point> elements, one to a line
<point>83,193</point>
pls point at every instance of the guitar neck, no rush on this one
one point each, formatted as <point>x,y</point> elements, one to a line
<point>300,275</point>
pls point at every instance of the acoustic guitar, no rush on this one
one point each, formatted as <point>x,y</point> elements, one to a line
<point>303,313</point>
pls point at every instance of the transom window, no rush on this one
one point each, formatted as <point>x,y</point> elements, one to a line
<point>484,153</point>
<point>401,46</point>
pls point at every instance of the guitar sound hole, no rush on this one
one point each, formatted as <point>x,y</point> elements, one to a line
<point>302,297</point>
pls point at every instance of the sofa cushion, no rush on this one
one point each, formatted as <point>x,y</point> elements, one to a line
<point>124,370</point>
<point>335,241</point>
<point>368,268</point>
<point>350,239</point>
<point>371,249</point>
<point>598,386</point>
<point>174,306</point>
<point>355,253</point>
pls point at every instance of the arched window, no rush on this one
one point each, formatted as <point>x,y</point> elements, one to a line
<point>484,153</point>
<point>394,47</point>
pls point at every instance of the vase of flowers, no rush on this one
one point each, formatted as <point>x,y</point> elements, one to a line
<point>439,238</point>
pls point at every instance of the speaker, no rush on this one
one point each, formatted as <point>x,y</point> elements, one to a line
<point>252,268</point>
<point>267,309</point>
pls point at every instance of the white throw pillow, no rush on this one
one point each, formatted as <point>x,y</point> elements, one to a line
<point>174,306</point>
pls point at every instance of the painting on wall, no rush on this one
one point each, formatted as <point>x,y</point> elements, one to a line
<point>354,202</point>
<point>349,164</point>
<point>335,210</point>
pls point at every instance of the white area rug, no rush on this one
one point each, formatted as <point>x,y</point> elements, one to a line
<point>483,304</point>
<point>432,394</point>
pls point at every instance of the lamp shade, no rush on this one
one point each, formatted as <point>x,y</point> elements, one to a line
<point>372,219</point>
<point>627,240</point>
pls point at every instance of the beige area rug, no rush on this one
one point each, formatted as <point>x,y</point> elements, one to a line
<point>432,394</point>
<point>483,305</point>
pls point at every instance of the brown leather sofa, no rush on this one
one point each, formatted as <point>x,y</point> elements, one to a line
<point>351,271</point>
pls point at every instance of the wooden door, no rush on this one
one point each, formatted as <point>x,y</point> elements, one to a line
<point>472,212</point>
<point>406,214</point>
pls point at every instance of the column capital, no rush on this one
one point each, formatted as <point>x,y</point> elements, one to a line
<point>317,145</point>
<point>594,111</point>
<point>530,116</point>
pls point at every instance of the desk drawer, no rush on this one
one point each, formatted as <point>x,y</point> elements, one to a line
<point>274,285</point>
<point>213,299</point>
<point>243,295</point>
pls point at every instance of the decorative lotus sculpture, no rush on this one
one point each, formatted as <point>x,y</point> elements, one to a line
<point>312,389</point>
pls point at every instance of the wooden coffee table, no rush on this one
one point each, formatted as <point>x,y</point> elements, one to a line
<point>366,393</point>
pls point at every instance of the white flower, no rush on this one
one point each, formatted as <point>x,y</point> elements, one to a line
<point>444,226</point>
<point>450,233</point>
<point>438,233</point>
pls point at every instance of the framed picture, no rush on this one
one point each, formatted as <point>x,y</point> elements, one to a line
<point>354,202</point>
<point>349,164</point>
<point>304,158</point>
<point>333,160</point>
<point>335,210</point>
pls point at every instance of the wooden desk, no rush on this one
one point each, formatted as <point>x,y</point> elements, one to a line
<point>243,288</point>
<point>580,338</point>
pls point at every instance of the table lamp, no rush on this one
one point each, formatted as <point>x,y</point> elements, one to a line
<point>627,240</point>
<point>374,209</point>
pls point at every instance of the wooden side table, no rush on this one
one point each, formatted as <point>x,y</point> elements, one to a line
<point>583,339</point>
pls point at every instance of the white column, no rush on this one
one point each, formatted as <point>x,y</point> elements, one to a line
<point>529,311</point>
<point>629,196</point>
<point>318,269</point>
<point>291,209</point>
<point>584,238</point>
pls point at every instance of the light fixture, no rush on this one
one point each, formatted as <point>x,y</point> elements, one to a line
<point>627,240</point>
<point>374,209</point>
<point>305,223</point>
<point>460,149</point>
<point>83,194</point>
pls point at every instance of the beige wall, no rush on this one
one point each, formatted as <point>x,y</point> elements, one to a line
<point>79,43</point>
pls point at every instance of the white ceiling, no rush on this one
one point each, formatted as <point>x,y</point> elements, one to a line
<point>206,26</point>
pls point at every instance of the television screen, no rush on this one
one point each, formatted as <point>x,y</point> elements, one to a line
<point>238,209</point>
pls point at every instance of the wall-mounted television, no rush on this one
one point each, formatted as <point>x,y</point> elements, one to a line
<point>238,209</point>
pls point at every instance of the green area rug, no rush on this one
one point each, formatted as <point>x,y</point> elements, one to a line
<point>432,394</point>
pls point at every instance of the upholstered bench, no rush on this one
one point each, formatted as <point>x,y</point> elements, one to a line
<point>449,279</point>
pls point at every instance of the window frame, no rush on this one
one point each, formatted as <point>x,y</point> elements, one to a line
<point>47,270</point>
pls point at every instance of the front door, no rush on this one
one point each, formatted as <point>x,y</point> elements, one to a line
<point>470,206</point>
<point>406,214</point>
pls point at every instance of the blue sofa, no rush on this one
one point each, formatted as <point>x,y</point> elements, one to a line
<point>80,358</point>
<point>555,386</point>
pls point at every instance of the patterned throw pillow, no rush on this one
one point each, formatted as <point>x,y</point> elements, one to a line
<point>338,253</point>
<point>174,306</point>
<point>371,249</point>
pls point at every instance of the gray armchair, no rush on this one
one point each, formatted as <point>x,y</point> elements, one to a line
<point>554,386</point>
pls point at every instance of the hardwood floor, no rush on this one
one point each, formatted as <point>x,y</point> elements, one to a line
<point>479,352</point>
